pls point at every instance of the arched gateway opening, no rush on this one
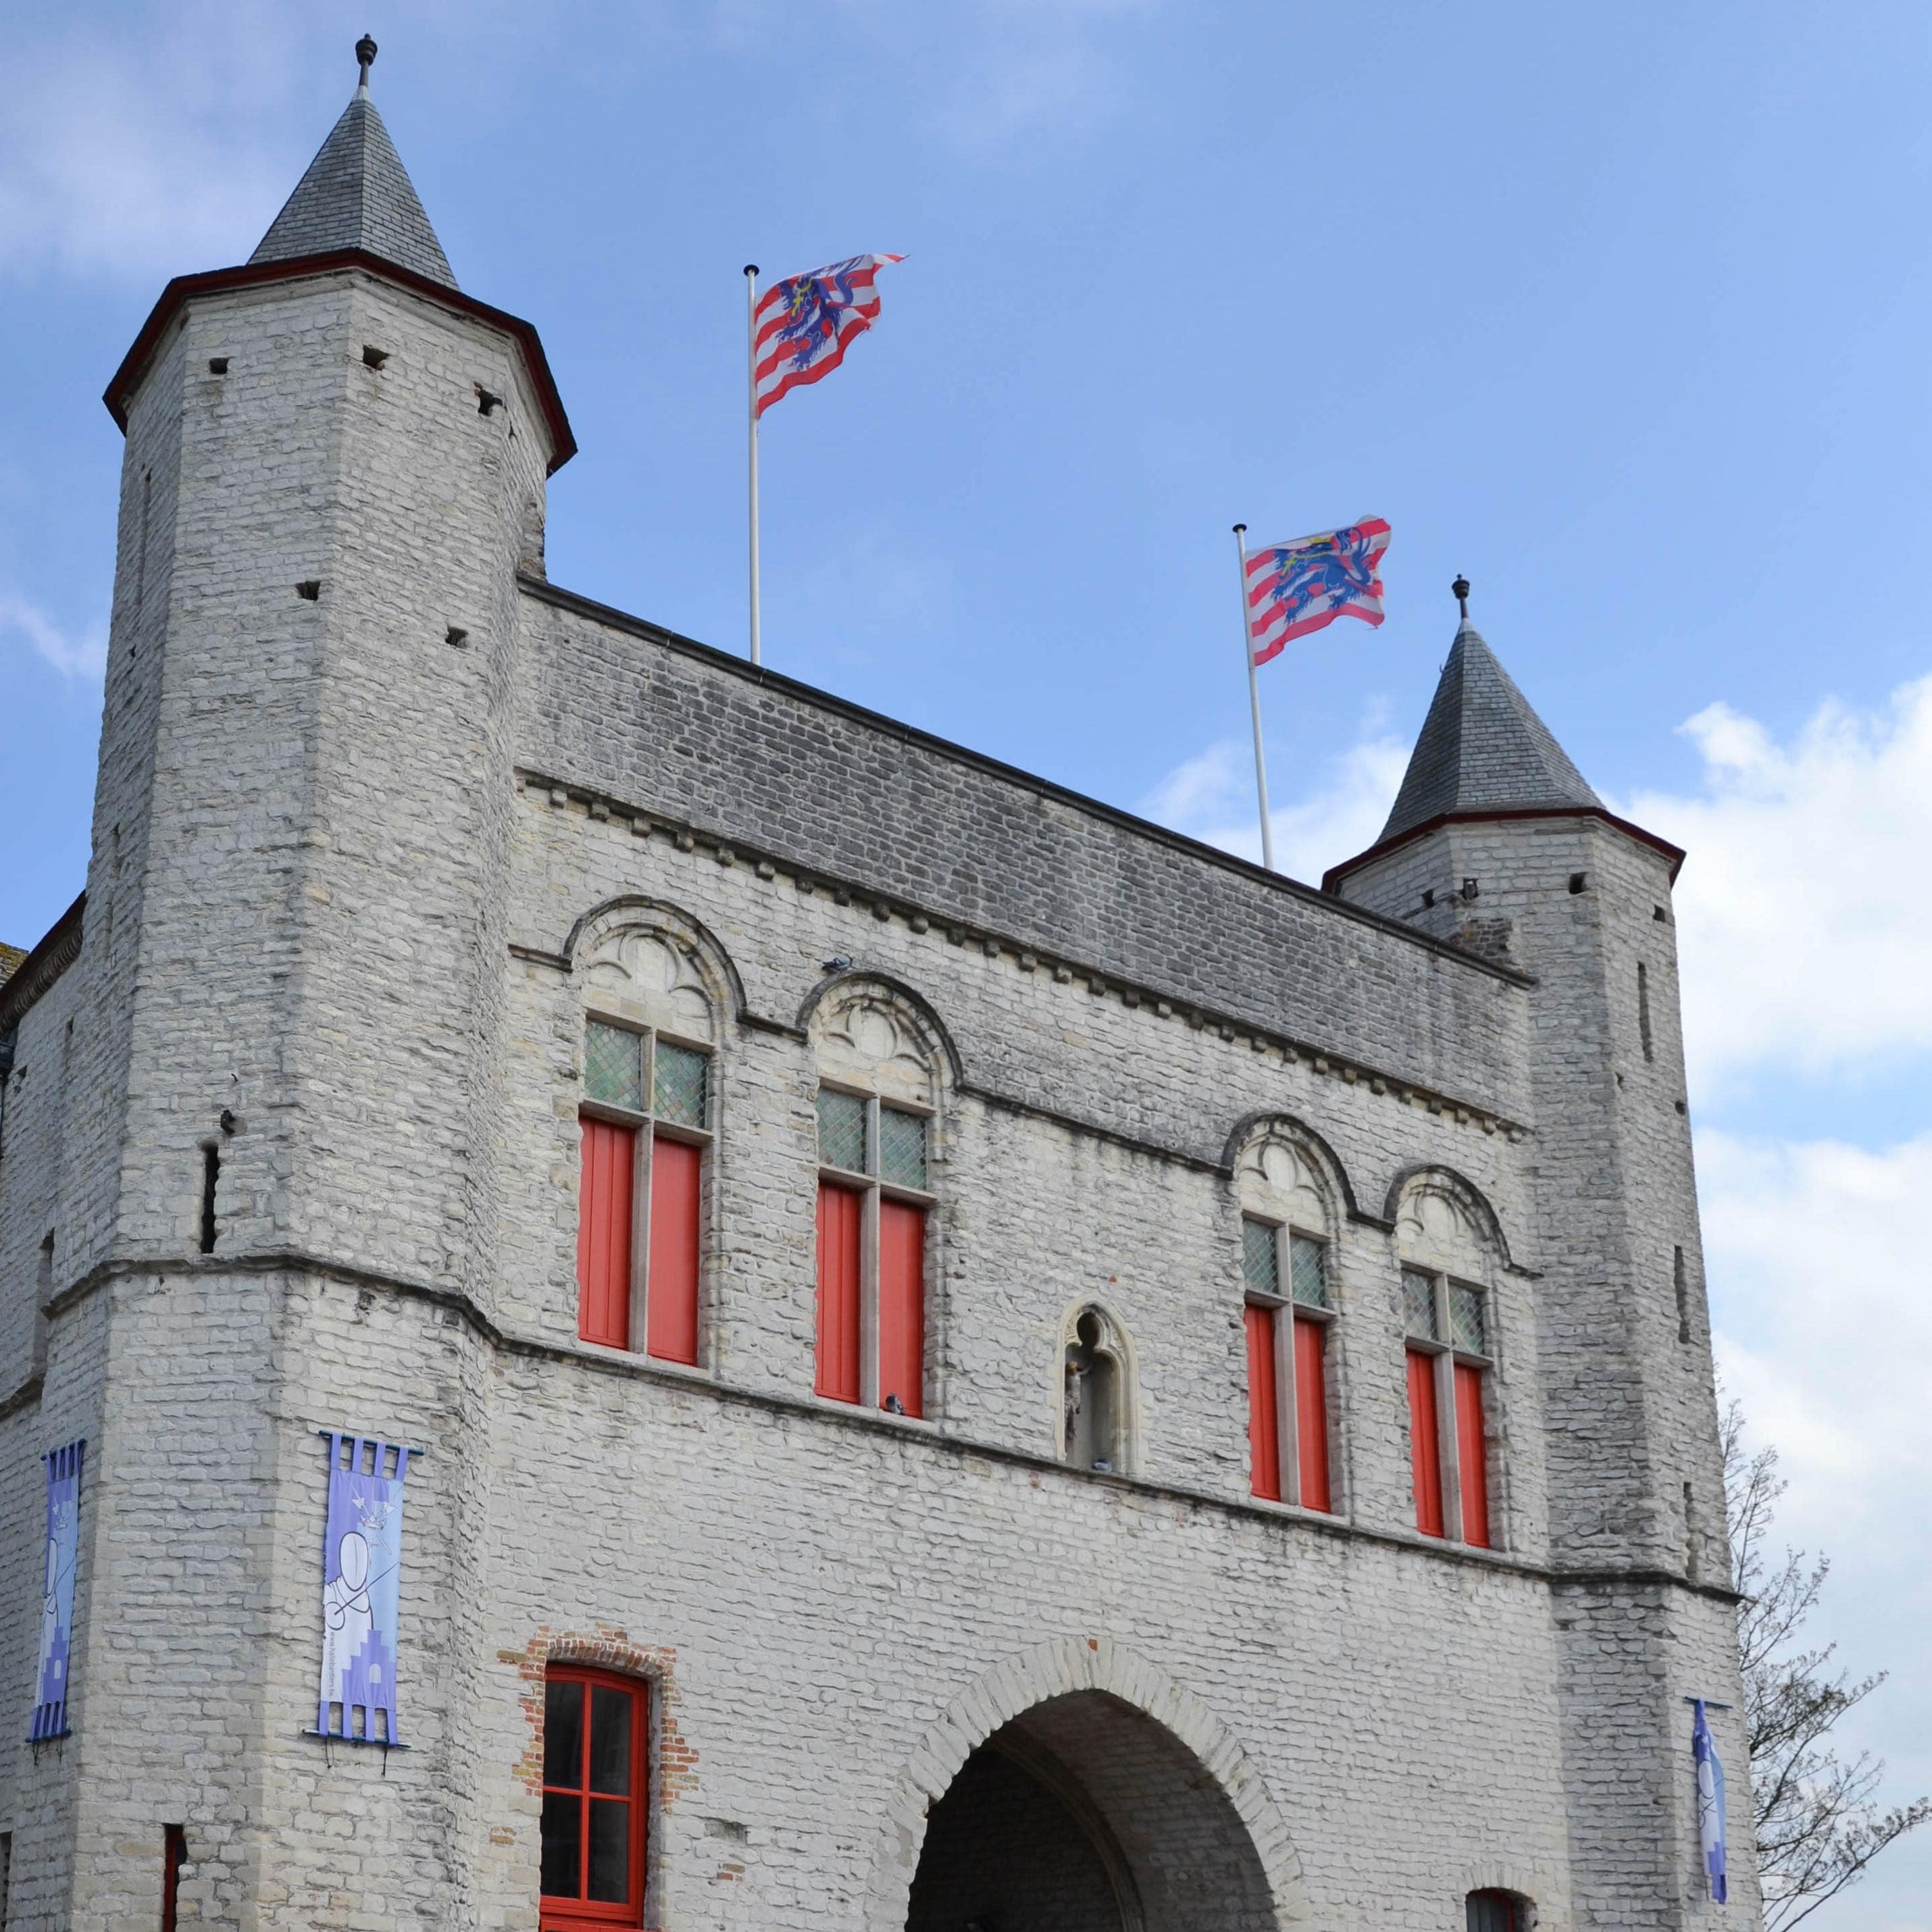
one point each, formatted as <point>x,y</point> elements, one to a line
<point>1076,1787</point>
<point>1085,1814</point>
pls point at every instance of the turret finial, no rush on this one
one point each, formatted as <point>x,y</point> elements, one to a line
<point>365,58</point>
<point>1460,590</point>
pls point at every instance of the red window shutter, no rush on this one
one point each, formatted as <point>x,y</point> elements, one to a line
<point>604,1235</point>
<point>1425,1450</point>
<point>902,1305</point>
<point>1472,1455</point>
<point>840,1211</point>
<point>1264,1434</point>
<point>670,1316</point>
<point>1311,1412</point>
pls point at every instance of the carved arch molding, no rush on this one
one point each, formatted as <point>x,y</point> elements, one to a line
<point>1050,1679</point>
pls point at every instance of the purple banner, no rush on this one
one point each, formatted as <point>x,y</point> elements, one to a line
<point>362,1568</point>
<point>52,1679</point>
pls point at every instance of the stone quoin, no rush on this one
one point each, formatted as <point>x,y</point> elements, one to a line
<point>1051,1378</point>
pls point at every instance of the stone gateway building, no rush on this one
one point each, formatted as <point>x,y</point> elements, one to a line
<point>664,1303</point>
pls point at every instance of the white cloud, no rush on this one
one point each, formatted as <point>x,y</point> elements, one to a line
<point>84,655</point>
<point>1816,1253</point>
<point>1211,797</point>
<point>1805,930</point>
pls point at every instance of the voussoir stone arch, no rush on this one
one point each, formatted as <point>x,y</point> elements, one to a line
<point>1445,1221</point>
<point>872,1030</point>
<point>1064,1668</point>
<point>647,961</point>
<point>1285,1170</point>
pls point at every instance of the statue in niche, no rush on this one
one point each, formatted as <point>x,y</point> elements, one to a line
<point>1092,1405</point>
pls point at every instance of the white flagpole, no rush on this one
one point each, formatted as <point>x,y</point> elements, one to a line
<point>751,420</point>
<point>1254,698</point>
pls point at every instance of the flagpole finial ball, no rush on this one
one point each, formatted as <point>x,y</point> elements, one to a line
<point>1460,590</point>
<point>751,267</point>
<point>1240,529</point>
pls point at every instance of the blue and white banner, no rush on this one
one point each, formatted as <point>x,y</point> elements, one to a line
<point>1710,1803</point>
<point>362,1570</point>
<point>52,1680</point>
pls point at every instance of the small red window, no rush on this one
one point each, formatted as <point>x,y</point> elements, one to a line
<point>1311,1412</point>
<point>604,1234</point>
<point>902,1305</point>
<point>670,1316</point>
<point>593,1800</point>
<point>1425,1448</point>
<point>1264,1425</point>
<point>840,1213</point>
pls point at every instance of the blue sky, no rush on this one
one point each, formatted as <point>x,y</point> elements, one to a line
<point>1620,309</point>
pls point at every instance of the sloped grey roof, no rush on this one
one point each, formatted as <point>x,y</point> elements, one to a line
<point>357,194</point>
<point>1482,748</point>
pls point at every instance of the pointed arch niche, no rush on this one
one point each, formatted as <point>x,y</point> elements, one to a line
<point>1097,1392</point>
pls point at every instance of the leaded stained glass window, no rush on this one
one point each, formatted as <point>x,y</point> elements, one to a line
<point>678,1084</point>
<point>1308,1266</point>
<point>1260,1258</point>
<point>902,1148</point>
<point>1467,1329</point>
<point>614,1066</point>
<point>841,1131</point>
<point>1418,1305</point>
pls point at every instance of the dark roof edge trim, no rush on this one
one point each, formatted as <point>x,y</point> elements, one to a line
<point>1333,878</point>
<point>547,592</point>
<point>184,288</point>
<point>58,948</point>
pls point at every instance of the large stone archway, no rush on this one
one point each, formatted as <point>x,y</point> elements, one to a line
<point>1078,1785</point>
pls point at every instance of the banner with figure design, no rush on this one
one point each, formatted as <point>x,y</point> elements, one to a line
<point>361,1573</point>
<point>1710,1805</point>
<point>52,1680</point>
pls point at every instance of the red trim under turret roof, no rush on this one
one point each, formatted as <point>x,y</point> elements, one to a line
<point>184,288</point>
<point>1331,880</point>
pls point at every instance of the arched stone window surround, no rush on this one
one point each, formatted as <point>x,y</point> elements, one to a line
<point>1338,1190</point>
<point>670,1762</point>
<point>1009,1690</point>
<point>1445,1227</point>
<point>648,968</point>
<point>828,1009</point>
<point>1116,1343</point>
<point>1499,1878</point>
<point>649,963</point>
<point>1287,1179</point>
<point>875,1041</point>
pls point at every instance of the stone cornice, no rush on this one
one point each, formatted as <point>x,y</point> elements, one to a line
<point>645,822</point>
<point>840,1416</point>
<point>48,961</point>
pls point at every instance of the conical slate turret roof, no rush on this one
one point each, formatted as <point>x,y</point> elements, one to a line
<point>1482,748</point>
<point>357,194</point>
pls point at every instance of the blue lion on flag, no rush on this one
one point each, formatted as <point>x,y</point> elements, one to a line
<point>1338,569</point>
<point>810,301</point>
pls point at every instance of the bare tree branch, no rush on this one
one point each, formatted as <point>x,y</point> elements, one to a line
<point>1818,1826</point>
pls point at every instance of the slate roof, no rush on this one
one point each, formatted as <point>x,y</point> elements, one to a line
<point>11,957</point>
<point>357,194</point>
<point>1482,748</point>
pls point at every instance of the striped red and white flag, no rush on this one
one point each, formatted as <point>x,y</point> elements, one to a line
<point>803,325</point>
<point>1297,587</point>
